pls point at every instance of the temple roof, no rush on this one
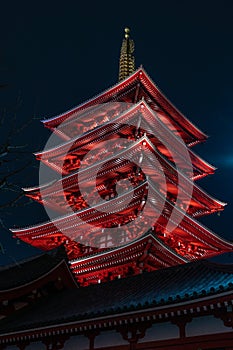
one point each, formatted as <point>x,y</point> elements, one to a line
<point>157,98</point>
<point>164,253</point>
<point>27,270</point>
<point>162,137</point>
<point>33,270</point>
<point>204,202</point>
<point>176,285</point>
<point>188,229</point>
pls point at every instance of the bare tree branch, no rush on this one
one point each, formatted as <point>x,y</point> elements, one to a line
<point>15,158</point>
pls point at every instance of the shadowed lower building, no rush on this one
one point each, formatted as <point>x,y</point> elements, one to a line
<point>187,306</point>
<point>143,287</point>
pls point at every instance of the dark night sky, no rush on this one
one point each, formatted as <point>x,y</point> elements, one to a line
<point>55,55</point>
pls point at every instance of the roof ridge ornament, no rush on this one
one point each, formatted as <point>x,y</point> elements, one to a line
<point>127,61</point>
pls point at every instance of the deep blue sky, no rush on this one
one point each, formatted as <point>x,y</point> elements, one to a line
<point>58,54</point>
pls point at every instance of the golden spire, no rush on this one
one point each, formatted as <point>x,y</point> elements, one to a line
<point>127,64</point>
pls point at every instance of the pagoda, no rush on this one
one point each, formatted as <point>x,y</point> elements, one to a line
<point>141,123</point>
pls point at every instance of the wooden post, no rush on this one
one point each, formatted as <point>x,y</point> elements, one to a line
<point>56,344</point>
<point>181,323</point>
<point>23,345</point>
<point>133,333</point>
<point>91,336</point>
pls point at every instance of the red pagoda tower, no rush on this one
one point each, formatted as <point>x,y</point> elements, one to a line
<point>141,123</point>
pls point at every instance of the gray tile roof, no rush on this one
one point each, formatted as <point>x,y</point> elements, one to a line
<point>26,271</point>
<point>162,287</point>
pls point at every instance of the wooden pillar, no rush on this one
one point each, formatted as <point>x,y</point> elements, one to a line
<point>182,329</point>
<point>181,322</point>
<point>23,345</point>
<point>91,336</point>
<point>48,344</point>
<point>226,317</point>
<point>91,342</point>
<point>56,344</point>
<point>133,333</point>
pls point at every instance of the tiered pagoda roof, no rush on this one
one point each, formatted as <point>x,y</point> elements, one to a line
<point>134,88</point>
<point>136,112</point>
<point>201,202</point>
<point>117,120</point>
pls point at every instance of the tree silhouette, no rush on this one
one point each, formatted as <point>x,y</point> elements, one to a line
<point>15,157</point>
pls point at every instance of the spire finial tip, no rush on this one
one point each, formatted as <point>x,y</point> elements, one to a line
<point>127,31</point>
<point>127,65</point>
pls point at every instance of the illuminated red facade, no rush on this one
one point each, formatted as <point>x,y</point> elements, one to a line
<point>104,258</point>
